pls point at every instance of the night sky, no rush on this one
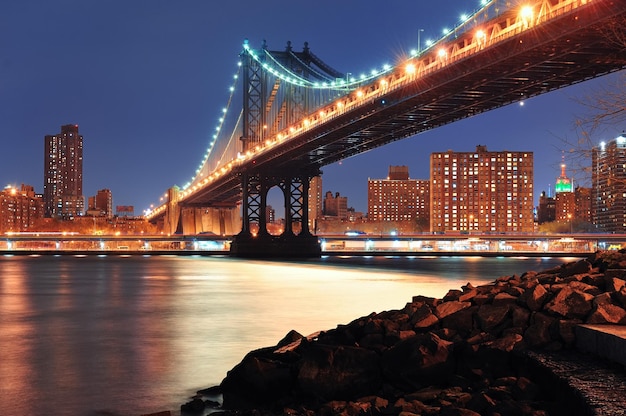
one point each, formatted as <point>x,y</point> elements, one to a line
<point>146,81</point>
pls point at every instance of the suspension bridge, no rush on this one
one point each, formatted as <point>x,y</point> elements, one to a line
<point>297,113</point>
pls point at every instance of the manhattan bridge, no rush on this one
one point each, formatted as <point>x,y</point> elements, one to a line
<point>290,113</point>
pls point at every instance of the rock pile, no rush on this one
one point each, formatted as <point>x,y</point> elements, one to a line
<point>460,355</point>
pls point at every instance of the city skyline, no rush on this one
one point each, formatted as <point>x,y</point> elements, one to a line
<point>160,78</point>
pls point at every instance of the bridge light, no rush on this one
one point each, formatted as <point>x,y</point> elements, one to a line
<point>526,13</point>
<point>359,93</point>
<point>442,53</point>
<point>322,113</point>
<point>410,69</point>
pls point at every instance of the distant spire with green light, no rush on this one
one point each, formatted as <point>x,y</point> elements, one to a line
<point>563,183</point>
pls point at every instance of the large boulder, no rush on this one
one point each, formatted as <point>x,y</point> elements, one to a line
<point>419,361</point>
<point>260,379</point>
<point>337,372</point>
<point>570,303</point>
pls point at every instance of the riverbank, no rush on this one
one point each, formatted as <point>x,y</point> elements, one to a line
<point>474,351</point>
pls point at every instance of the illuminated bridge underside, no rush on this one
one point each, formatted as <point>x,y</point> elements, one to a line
<point>574,47</point>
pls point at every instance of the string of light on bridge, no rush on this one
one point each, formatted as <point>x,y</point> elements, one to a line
<point>350,83</point>
<point>406,66</point>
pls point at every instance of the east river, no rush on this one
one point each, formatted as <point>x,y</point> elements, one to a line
<point>129,335</point>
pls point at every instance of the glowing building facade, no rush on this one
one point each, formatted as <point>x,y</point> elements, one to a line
<point>608,177</point>
<point>20,209</point>
<point>481,191</point>
<point>315,201</point>
<point>565,199</point>
<point>399,198</point>
<point>63,174</point>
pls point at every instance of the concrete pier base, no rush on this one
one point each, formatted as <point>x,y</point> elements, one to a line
<point>605,341</point>
<point>269,246</point>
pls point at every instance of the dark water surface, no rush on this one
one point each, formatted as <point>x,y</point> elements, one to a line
<point>128,335</point>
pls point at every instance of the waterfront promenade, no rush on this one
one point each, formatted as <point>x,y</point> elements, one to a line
<point>532,245</point>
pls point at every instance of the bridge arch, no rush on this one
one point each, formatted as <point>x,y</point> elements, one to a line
<point>295,240</point>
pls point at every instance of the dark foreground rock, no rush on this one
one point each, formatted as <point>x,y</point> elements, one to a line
<point>474,352</point>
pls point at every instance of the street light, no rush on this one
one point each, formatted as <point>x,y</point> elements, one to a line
<point>419,41</point>
<point>571,229</point>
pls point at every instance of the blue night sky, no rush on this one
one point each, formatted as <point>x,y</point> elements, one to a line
<point>146,80</point>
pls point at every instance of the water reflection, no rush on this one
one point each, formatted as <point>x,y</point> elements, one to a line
<point>133,335</point>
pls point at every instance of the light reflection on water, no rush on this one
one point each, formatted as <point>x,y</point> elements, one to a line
<point>133,335</point>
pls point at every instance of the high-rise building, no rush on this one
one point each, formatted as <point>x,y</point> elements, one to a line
<point>315,201</point>
<point>20,209</point>
<point>399,198</point>
<point>608,179</point>
<point>564,198</point>
<point>563,183</point>
<point>481,191</point>
<point>582,210</point>
<point>63,174</point>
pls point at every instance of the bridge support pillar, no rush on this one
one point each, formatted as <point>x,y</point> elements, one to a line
<point>171,219</point>
<point>216,220</point>
<point>289,244</point>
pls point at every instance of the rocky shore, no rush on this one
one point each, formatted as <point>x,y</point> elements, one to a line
<point>477,351</point>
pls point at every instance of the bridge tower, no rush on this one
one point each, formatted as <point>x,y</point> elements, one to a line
<point>271,104</point>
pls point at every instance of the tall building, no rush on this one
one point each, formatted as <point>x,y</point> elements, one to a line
<point>564,198</point>
<point>608,179</point>
<point>563,183</point>
<point>582,210</point>
<point>20,209</point>
<point>63,174</point>
<point>481,191</point>
<point>399,198</point>
<point>315,202</point>
<point>336,206</point>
